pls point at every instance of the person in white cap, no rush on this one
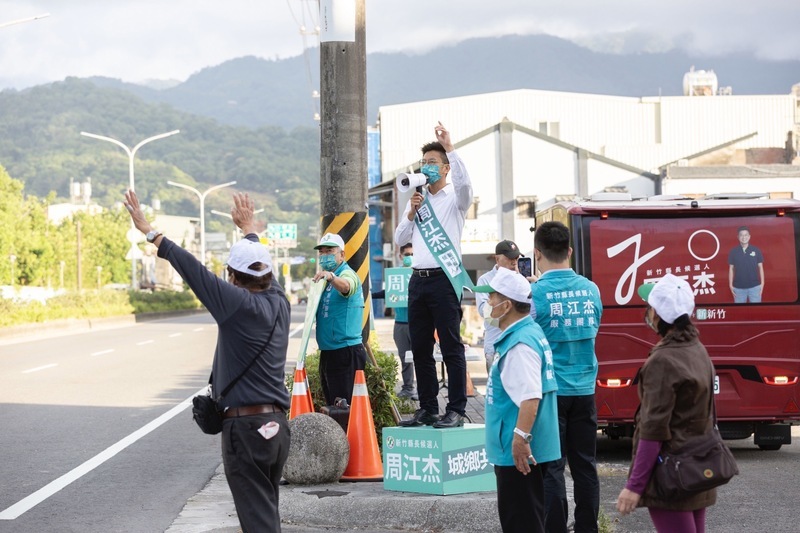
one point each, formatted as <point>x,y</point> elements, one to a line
<point>521,405</point>
<point>676,391</point>
<point>506,255</point>
<point>339,318</point>
<point>252,315</point>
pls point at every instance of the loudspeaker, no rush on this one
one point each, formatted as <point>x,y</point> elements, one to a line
<point>407,181</point>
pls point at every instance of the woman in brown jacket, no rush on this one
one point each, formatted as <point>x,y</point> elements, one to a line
<point>675,388</point>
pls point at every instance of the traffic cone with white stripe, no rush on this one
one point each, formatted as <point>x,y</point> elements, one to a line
<point>365,458</point>
<point>301,396</point>
<point>309,398</point>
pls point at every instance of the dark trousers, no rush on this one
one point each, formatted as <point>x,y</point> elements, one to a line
<point>337,371</point>
<point>253,467</point>
<point>402,339</point>
<point>433,305</point>
<point>577,424</point>
<point>520,499</point>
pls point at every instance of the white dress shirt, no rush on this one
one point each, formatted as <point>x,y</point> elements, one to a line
<point>521,374</point>
<point>490,333</point>
<point>450,205</point>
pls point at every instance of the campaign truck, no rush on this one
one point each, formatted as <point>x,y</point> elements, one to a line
<point>620,243</point>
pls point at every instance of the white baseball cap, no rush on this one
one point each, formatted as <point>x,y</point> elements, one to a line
<point>246,252</point>
<point>670,296</point>
<point>510,284</point>
<point>330,239</point>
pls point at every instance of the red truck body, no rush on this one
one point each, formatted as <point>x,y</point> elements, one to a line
<point>755,347</point>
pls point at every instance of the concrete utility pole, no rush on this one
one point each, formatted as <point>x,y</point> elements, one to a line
<point>343,124</point>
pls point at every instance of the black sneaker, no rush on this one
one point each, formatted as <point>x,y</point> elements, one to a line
<point>421,418</point>
<point>451,419</point>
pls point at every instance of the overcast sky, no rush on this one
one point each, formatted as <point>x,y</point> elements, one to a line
<point>171,39</point>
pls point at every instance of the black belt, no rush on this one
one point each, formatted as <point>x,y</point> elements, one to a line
<point>427,273</point>
<point>249,410</point>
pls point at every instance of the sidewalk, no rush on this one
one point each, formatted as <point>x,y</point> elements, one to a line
<point>364,506</point>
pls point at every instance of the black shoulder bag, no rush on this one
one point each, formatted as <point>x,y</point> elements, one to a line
<point>703,463</point>
<point>205,408</point>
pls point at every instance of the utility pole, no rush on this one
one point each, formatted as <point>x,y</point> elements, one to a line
<point>343,129</point>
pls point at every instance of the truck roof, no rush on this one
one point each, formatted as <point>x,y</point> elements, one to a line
<point>682,204</point>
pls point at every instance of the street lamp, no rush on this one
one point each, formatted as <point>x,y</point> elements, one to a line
<point>20,21</point>
<point>131,153</point>
<point>13,259</point>
<point>202,197</point>
<point>228,215</point>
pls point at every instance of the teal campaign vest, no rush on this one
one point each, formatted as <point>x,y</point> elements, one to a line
<point>339,318</point>
<point>502,412</point>
<point>568,308</point>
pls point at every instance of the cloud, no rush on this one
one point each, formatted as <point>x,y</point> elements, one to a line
<point>172,39</point>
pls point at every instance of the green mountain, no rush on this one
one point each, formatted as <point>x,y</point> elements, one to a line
<point>41,145</point>
<point>255,92</point>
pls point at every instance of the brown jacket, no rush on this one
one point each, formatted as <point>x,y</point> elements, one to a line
<point>675,390</point>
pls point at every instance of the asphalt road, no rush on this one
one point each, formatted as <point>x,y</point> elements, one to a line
<point>761,499</point>
<point>95,430</point>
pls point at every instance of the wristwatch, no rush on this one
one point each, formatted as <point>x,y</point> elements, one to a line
<point>527,437</point>
<point>152,236</point>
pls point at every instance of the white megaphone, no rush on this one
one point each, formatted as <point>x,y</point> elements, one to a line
<point>407,181</point>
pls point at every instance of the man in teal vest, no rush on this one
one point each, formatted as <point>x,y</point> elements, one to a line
<point>339,318</point>
<point>521,405</point>
<point>568,308</point>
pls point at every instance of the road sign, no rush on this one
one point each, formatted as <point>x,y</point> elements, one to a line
<point>282,235</point>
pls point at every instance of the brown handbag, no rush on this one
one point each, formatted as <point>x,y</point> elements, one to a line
<point>703,463</point>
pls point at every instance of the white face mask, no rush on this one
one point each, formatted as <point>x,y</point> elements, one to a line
<point>487,315</point>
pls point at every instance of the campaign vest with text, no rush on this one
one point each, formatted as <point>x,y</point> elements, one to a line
<point>339,318</point>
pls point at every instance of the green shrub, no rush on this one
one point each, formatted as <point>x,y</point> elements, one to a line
<point>381,383</point>
<point>159,301</point>
<point>78,305</point>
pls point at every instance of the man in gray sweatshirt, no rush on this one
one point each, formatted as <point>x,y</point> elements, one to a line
<point>253,318</point>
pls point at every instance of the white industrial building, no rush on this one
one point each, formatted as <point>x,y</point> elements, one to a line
<point>526,149</point>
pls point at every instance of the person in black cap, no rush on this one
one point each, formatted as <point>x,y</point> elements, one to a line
<point>506,255</point>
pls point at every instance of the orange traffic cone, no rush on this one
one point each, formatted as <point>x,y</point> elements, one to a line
<point>309,398</point>
<point>301,399</point>
<point>365,459</point>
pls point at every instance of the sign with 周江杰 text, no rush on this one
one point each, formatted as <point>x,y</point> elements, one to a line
<point>437,461</point>
<point>396,280</point>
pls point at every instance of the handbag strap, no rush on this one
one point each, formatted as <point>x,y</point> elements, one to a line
<point>227,389</point>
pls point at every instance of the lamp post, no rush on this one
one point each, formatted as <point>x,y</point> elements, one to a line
<point>20,21</point>
<point>228,215</point>
<point>131,153</point>
<point>13,259</point>
<point>202,197</point>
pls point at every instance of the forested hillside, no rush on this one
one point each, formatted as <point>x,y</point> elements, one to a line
<point>41,145</point>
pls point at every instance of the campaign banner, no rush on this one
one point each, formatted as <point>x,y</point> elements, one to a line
<point>396,283</point>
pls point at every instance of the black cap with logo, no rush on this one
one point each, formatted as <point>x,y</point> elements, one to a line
<point>508,249</point>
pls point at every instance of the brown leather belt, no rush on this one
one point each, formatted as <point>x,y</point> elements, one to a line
<point>248,410</point>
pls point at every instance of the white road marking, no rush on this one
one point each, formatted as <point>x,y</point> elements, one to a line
<point>103,352</point>
<point>175,335</point>
<point>298,329</point>
<point>151,341</point>
<point>29,502</point>
<point>39,368</point>
<point>197,329</point>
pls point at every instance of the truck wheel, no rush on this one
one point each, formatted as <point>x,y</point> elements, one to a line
<point>770,447</point>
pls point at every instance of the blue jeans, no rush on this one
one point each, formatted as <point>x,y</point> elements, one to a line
<point>577,424</point>
<point>753,294</point>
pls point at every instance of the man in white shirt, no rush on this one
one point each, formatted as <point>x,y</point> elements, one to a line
<point>433,303</point>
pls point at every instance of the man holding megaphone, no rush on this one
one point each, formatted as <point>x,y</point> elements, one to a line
<point>433,223</point>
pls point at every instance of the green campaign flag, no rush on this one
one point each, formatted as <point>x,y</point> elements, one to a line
<point>396,280</point>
